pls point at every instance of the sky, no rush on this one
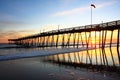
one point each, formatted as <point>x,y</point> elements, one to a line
<point>20,18</point>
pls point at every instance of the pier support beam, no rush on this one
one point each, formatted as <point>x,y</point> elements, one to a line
<point>118,38</point>
<point>111,38</point>
<point>95,40</point>
<point>68,42</point>
<point>57,40</point>
<point>86,40</point>
<point>81,40</point>
<point>47,40</point>
<point>78,40</point>
<point>74,38</point>
<point>118,44</point>
<point>63,43</point>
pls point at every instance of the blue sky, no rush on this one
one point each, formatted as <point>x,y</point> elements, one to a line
<point>31,16</point>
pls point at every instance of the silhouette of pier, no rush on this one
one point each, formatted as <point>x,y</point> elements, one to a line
<point>71,36</point>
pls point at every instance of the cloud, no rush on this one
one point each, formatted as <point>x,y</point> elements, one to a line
<point>106,4</point>
<point>11,23</point>
<point>82,9</point>
<point>67,2</point>
<point>4,16</point>
<point>12,28</point>
<point>8,21</point>
<point>14,25</point>
<point>5,35</point>
<point>72,11</point>
<point>49,27</point>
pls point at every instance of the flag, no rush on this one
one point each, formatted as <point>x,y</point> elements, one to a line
<point>93,5</point>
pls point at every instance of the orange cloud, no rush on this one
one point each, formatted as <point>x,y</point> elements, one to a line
<point>5,35</point>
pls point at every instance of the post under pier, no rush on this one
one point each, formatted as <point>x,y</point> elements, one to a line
<point>118,36</point>
<point>81,40</point>
<point>57,40</point>
<point>74,39</point>
<point>63,44</point>
<point>78,40</point>
<point>68,42</point>
<point>111,38</point>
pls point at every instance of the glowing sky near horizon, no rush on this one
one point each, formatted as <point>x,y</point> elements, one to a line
<point>24,17</point>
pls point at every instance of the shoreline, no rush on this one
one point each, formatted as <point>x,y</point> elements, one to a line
<point>43,52</point>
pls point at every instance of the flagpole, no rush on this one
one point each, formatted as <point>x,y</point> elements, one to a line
<point>91,26</point>
<point>91,16</point>
<point>92,5</point>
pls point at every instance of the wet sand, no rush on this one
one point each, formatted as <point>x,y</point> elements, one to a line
<point>35,69</point>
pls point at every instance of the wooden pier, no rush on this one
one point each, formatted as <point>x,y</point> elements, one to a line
<point>72,36</point>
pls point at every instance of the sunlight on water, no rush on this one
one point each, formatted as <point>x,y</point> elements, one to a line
<point>107,56</point>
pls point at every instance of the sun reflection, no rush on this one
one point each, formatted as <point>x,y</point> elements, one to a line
<point>108,56</point>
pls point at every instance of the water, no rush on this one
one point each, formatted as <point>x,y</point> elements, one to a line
<point>5,51</point>
<point>37,68</point>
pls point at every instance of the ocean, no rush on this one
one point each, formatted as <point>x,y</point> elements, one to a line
<point>95,64</point>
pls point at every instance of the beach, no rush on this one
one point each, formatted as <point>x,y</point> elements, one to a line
<point>40,67</point>
<point>35,69</point>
